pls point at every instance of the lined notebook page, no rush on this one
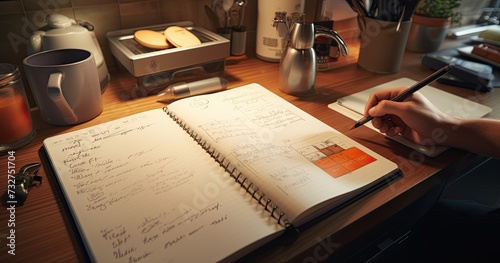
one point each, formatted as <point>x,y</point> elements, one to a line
<point>294,158</point>
<point>141,189</point>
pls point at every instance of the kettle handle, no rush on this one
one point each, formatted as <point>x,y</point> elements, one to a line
<point>89,26</point>
<point>34,44</point>
<point>322,31</point>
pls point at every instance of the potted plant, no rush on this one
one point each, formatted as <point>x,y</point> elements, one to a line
<point>430,24</point>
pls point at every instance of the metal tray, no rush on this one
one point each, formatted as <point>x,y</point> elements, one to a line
<point>141,61</point>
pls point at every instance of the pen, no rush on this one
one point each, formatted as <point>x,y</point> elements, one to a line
<point>183,89</point>
<point>412,89</point>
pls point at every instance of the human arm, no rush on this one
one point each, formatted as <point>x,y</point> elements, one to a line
<point>419,120</point>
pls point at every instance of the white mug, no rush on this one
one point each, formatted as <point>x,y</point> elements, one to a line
<point>65,84</point>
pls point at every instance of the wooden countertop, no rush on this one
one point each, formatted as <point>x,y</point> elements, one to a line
<point>44,231</point>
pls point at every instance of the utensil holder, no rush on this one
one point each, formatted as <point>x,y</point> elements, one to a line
<point>382,44</point>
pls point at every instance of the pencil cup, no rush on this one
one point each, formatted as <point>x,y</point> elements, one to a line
<point>382,44</point>
<point>238,42</point>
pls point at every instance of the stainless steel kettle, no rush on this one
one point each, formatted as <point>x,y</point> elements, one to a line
<point>297,69</point>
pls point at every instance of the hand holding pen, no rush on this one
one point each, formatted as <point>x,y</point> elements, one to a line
<point>401,96</point>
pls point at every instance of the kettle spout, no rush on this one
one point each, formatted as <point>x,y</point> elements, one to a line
<point>322,31</point>
<point>34,44</point>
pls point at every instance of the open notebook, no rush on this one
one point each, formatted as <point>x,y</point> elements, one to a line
<point>353,107</point>
<point>209,178</point>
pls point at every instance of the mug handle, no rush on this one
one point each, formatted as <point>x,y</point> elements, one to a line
<point>55,94</point>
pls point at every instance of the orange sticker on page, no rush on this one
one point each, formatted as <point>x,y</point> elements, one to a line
<point>336,171</point>
<point>335,159</point>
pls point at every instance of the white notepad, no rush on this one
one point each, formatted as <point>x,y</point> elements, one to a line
<point>353,107</point>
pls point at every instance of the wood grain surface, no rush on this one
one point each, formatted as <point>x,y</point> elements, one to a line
<point>44,231</point>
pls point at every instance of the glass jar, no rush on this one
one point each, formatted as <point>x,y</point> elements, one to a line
<point>16,125</point>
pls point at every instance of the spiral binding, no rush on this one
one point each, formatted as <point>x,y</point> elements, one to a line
<point>244,182</point>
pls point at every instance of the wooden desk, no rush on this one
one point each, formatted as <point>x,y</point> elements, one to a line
<point>43,229</point>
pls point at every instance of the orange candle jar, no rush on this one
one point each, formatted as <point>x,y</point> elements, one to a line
<point>16,125</point>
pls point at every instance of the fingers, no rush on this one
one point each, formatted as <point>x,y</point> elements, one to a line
<point>384,111</point>
<point>389,115</point>
<point>387,126</point>
<point>385,107</point>
<point>376,97</point>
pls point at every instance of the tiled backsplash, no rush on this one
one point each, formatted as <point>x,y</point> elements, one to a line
<point>19,18</point>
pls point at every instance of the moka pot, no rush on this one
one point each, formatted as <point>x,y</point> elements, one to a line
<point>297,69</point>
